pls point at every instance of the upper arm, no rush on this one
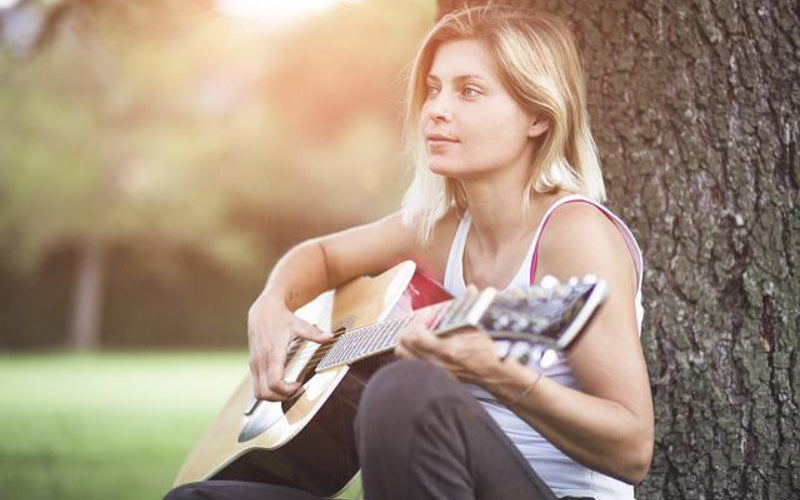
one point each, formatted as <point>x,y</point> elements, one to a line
<point>607,360</point>
<point>375,247</point>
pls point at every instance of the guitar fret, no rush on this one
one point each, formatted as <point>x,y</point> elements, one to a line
<point>341,349</point>
<point>448,313</point>
<point>371,339</point>
<point>368,340</point>
<point>390,338</point>
<point>456,312</point>
<point>381,337</point>
<point>360,341</point>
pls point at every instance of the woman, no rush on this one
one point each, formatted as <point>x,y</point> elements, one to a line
<point>506,190</point>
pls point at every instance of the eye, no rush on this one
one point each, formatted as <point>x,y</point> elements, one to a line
<point>432,90</point>
<point>470,92</point>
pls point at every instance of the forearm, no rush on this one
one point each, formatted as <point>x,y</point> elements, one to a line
<point>599,433</point>
<point>299,276</point>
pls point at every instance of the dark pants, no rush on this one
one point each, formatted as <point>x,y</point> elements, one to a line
<point>420,435</point>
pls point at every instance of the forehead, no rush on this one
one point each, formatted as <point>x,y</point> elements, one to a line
<point>460,58</point>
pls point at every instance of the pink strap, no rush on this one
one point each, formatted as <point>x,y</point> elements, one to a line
<point>535,258</point>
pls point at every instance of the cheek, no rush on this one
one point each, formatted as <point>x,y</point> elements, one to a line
<point>498,136</point>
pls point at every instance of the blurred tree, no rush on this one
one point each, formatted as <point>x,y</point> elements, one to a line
<point>106,140</point>
<point>152,129</point>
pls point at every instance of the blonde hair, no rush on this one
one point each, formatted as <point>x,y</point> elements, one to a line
<point>538,62</point>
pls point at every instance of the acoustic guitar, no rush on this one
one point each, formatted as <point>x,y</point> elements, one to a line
<point>308,442</point>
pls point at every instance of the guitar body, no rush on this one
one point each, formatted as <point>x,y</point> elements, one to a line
<point>309,443</point>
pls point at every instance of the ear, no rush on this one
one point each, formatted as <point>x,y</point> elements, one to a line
<point>538,126</point>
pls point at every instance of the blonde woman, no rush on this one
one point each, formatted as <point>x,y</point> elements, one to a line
<point>507,189</point>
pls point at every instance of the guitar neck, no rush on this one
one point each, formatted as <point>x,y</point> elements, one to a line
<point>381,337</point>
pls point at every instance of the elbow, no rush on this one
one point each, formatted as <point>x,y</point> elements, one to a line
<point>638,462</point>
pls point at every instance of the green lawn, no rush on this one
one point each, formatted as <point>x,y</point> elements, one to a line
<point>107,425</point>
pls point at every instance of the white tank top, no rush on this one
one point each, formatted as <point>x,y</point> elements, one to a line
<point>563,475</point>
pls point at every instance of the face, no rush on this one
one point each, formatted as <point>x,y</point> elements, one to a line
<point>471,124</point>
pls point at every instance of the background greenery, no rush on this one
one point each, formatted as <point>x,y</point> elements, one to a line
<point>165,153</point>
<point>162,154</point>
<point>112,425</point>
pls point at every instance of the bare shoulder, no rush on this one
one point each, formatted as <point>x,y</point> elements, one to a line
<point>580,239</point>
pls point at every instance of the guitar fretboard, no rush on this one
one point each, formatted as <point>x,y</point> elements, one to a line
<point>380,337</point>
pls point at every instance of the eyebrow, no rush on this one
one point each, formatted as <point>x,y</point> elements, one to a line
<point>457,78</point>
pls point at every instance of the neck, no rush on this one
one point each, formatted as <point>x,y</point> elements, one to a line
<point>498,218</point>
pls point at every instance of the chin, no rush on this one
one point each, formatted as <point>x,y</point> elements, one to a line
<point>444,168</point>
<point>458,172</point>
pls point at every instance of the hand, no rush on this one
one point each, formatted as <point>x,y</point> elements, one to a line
<point>270,328</point>
<point>469,354</point>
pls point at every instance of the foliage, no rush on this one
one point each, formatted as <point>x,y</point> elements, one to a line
<point>166,128</point>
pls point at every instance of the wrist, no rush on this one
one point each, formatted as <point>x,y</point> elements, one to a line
<point>265,305</point>
<point>514,382</point>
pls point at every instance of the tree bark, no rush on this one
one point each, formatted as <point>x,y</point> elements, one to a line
<point>88,297</point>
<point>696,112</point>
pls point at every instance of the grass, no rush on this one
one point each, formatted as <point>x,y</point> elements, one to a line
<point>112,425</point>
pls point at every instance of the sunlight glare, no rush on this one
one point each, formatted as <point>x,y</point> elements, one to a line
<point>270,13</point>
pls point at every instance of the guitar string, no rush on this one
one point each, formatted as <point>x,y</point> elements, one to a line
<point>371,338</point>
<point>323,349</point>
<point>454,308</point>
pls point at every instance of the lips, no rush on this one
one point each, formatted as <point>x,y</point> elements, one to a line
<point>438,138</point>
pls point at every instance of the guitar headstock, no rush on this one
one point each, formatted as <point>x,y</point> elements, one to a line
<point>533,321</point>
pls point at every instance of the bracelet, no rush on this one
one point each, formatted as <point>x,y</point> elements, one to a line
<point>526,390</point>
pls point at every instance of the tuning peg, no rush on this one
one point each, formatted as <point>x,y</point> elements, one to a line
<point>521,352</point>
<point>503,348</point>
<point>536,293</point>
<point>572,281</point>
<point>590,279</point>
<point>563,290</point>
<point>501,322</point>
<point>531,354</point>
<point>536,351</point>
<point>549,358</point>
<point>520,324</point>
<point>549,282</point>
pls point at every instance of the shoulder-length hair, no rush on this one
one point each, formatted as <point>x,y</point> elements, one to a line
<point>538,62</point>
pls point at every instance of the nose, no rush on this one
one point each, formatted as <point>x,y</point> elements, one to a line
<point>438,110</point>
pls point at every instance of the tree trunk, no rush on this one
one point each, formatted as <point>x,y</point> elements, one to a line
<point>88,298</point>
<point>696,111</point>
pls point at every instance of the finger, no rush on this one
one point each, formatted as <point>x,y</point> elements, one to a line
<point>423,340</point>
<point>407,335</point>
<point>472,289</point>
<point>307,331</point>
<point>402,352</point>
<point>425,345</point>
<point>406,351</point>
<point>258,372</point>
<point>274,376</point>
